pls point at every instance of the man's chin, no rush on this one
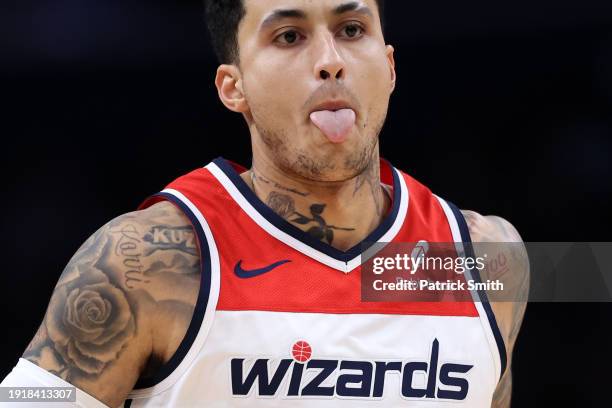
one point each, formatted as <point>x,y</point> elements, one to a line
<point>332,167</point>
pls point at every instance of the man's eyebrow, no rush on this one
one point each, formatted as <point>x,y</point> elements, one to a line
<point>353,6</point>
<point>280,14</point>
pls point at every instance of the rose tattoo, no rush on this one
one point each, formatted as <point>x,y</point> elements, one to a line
<point>89,321</point>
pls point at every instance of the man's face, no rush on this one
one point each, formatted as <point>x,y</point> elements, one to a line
<point>296,55</point>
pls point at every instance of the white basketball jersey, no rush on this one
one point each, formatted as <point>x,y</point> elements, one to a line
<point>280,322</point>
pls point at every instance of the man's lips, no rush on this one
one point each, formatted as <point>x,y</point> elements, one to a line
<point>332,105</point>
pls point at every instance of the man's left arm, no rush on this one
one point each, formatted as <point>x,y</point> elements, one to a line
<point>508,262</point>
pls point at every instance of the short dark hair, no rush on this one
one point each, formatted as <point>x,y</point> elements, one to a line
<point>223,18</point>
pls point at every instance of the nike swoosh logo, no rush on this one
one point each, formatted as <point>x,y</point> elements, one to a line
<point>251,273</point>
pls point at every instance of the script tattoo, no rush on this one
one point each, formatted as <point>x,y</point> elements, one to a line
<point>371,177</point>
<point>279,186</point>
<point>497,267</point>
<point>128,248</point>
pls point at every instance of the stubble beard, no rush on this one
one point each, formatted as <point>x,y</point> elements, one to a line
<point>305,165</point>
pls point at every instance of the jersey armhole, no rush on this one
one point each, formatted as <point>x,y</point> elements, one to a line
<point>197,329</point>
<point>482,295</point>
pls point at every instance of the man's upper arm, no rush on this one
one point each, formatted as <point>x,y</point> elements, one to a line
<point>507,248</point>
<point>97,332</point>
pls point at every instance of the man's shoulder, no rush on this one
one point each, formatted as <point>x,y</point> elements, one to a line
<point>169,273</point>
<point>507,261</point>
<point>506,254</point>
<point>490,228</point>
<point>152,240</point>
<point>123,301</point>
<point>153,213</point>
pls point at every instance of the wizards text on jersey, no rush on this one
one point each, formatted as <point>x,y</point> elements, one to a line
<point>328,378</point>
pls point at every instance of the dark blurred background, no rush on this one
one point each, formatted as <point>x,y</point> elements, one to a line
<point>502,107</point>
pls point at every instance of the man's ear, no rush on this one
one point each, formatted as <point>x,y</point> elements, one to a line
<point>230,88</point>
<point>390,50</point>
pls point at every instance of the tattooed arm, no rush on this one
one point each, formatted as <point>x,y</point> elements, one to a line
<point>508,262</point>
<point>122,304</point>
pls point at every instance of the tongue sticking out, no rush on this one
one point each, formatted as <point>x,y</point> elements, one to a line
<point>335,125</point>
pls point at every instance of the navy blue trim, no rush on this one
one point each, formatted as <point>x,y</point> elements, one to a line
<point>295,232</point>
<point>469,252</point>
<point>200,307</point>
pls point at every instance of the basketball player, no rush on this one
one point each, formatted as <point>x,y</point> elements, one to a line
<point>241,287</point>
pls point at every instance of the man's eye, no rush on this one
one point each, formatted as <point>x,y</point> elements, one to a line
<point>288,37</point>
<point>353,30</point>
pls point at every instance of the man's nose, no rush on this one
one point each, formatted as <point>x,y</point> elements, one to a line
<point>330,63</point>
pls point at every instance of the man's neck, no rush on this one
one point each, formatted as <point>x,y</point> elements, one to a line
<point>341,214</point>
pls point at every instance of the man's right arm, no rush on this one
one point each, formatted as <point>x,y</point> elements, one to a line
<point>100,331</point>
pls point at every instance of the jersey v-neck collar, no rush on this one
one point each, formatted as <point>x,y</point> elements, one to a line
<point>227,173</point>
